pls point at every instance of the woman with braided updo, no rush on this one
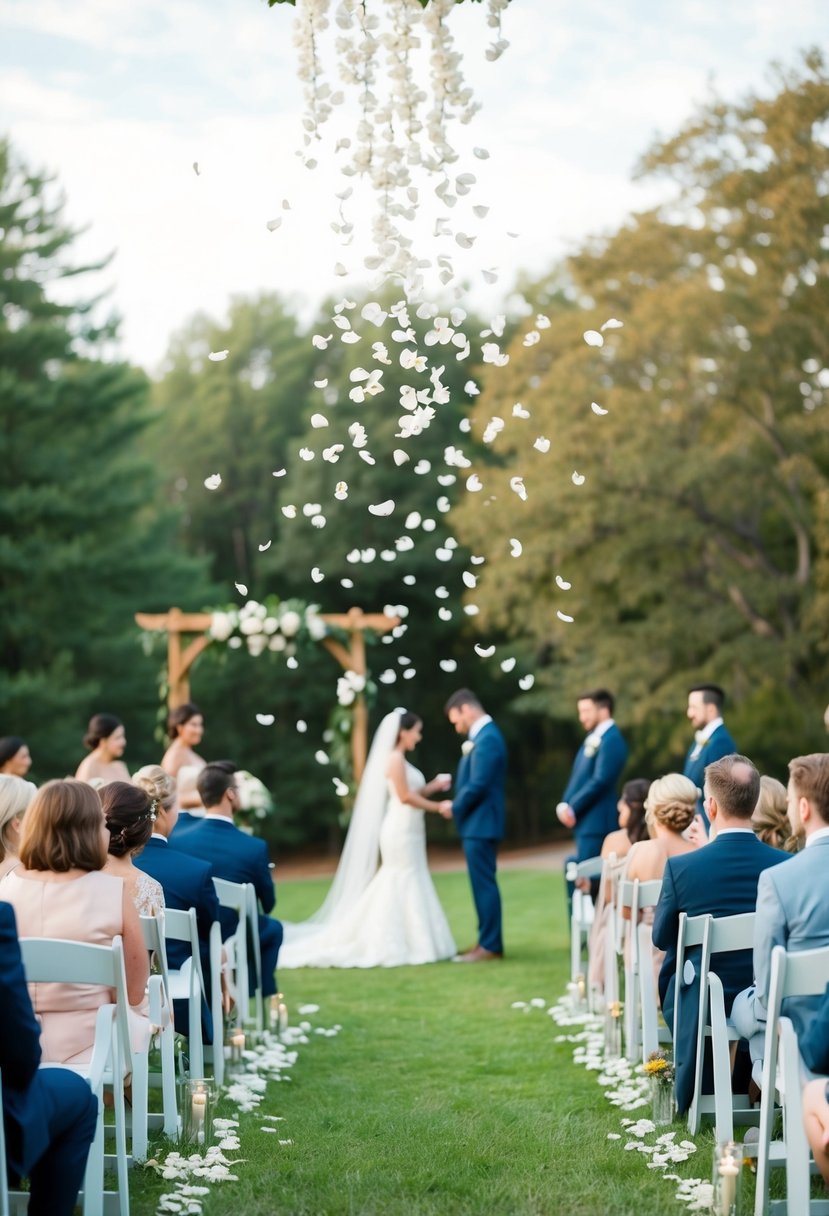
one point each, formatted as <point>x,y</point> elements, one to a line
<point>130,813</point>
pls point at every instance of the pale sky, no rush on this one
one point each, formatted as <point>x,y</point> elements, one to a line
<point>119,99</point>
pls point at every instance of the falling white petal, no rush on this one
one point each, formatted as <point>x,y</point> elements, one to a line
<point>597,409</point>
<point>213,481</point>
<point>317,575</point>
<point>526,682</point>
<point>612,323</point>
<point>474,483</point>
<point>265,719</point>
<point>578,479</point>
<point>541,444</point>
<point>484,652</point>
<point>507,665</point>
<point>469,579</point>
<point>241,588</point>
<point>593,338</point>
<point>266,545</point>
<point>216,356</point>
<point>562,616</point>
<point>448,665</point>
<point>289,511</point>
<point>382,508</point>
<point>562,583</point>
<point>515,547</point>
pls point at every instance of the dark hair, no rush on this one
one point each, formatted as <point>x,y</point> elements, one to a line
<point>712,694</point>
<point>179,716</point>
<point>214,781</point>
<point>634,794</point>
<point>62,829</point>
<point>408,720</point>
<point>464,696</point>
<point>10,745</point>
<point>130,813</point>
<point>810,778</point>
<point>735,794</point>
<point>101,726</point>
<point>600,697</point>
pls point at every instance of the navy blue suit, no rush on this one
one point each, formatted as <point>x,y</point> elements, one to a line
<point>49,1114</point>
<point>237,857</point>
<point>720,879</point>
<point>187,883</point>
<point>592,791</point>
<point>479,811</point>
<point>720,744</point>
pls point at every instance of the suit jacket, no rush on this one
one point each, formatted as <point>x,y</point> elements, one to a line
<point>478,805</point>
<point>27,1134</point>
<point>187,882</point>
<point>720,744</point>
<point>793,912</point>
<point>592,788</point>
<point>814,1041</point>
<point>719,879</point>
<point>232,855</point>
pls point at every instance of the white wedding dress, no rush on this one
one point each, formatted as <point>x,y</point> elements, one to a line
<point>392,919</point>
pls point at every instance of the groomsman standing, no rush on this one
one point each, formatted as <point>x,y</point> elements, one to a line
<point>711,739</point>
<point>588,804</point>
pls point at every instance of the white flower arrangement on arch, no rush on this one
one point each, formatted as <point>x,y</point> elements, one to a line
<point>275,626</point>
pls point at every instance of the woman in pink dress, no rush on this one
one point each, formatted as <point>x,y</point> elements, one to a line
<point>59,890</point>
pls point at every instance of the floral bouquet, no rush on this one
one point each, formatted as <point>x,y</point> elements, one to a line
<point>255,801</point>
<point>660,1072</point>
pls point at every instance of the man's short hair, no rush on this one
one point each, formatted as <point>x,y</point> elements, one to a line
<point>712,694</point>
<point>215,780</point>
<point>464,696</point>
<point>735,784</point>
<point>810,778</point>
<point>600,697</point>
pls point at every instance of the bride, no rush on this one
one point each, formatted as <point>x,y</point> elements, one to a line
<point>391,916</point>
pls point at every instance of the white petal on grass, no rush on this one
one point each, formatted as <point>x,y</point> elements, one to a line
<point>382,508</point>
<point>516,484</point>
<point>562,616</point>
<point>593,338</point>
<point>484,652</point>
<point>515,547</point>
<point>562,583</point>
<point>341,491</point>
<point>318,421</point>
<point>422,466</point>
<point>306,454</point>
<point>477,561</point>
<point>213,481</point>
<point>518,411</point>
<point>350,337</point>
<point>597,409</point>
<point>612,323</point>
<point>507,665</point>
<point>348,583</point>
<point>541,444</point>
<point>367,457</point>
<point>279,472</point>
<point>272,225</point>
<point>241,588</point>
<point>469,579</point>
<point>413,520</point>
<point>289,511</point>
<point>400,457</point>
<point>481,153</point>
<point>526,682</point>
<point>578,479</point>
<point>474,483</point>
<point>196,169</point>
<point>217,356</point>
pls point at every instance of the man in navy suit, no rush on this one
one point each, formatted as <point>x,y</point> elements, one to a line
<point>234,856</point>
<point>711,738</point>
<point>49,1114</point>
<point>479,811</point>
<point>589,803</point>
<point>718,879</point>
<point>187,883</point>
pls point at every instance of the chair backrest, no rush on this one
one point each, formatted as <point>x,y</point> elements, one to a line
<point>153,929</point>
<point>691,932</point>
<point>591,868</point>
<point>53,960</point>
<point>731,933</point>
<point>180,926</point>
<point>237,897</point>
<point>805,973</point>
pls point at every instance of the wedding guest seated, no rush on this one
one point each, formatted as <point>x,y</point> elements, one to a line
<point>187,882</point>
<point>771,817</point>
<point>792,904</point>
<point>106,741</point>
<point>130,814</point>
<point>15,796</point>
<point>814,1048</point>
<point>49,1114</point>
<point>59,890</point>
<point>632,829</point>
<point>15,758</point>
<point>721,880</point>
<point>185,730</point>
<point>234,856</point>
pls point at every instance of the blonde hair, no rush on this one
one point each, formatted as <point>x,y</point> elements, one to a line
<point>62,829</point>
<point>770,818</point>
<point>158,784</point>
<point>671,801</point>
<point>15,796</point>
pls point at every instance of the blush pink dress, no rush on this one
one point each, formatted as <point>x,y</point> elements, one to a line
<point>86,909</point>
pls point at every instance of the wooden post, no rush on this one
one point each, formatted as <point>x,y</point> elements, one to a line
<point>179,662</point>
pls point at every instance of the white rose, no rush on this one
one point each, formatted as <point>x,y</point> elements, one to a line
<point>290,623</point>
<point>250,625</point>
<point>277,642</point>
<point>222,625</point>
<point>256,644</point>
<point>316,626</point>
<point>271,624</point>
<point>356,681</point>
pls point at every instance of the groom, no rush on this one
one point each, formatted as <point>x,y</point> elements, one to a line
<point>479,812</point>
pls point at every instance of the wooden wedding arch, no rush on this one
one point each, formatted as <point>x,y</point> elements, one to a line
<point>181,655</point>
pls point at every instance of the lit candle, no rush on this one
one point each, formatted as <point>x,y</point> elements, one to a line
<point>729,1170</point>
<point>199,1111</point>
<point>283,1017</point>
<point>274,1013</point>
<point>237,1045</point>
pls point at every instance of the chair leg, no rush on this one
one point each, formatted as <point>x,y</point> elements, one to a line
<point>140,1085</point>
<point>168,1080</point>
<point>93,1179</point>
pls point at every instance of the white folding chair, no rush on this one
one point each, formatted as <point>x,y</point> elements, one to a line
<point>721,935</point>
<point>49,960</point>
<point>215,1053</point>
<point>632,896</point>
<point>187,982</point>
<point>582,913</point>
<point>805,973</point>
<point>653,1033</point>
<point>241,899</point>
<point>161,1016</point>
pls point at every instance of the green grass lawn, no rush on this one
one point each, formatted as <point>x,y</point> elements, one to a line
<point>437,1097</point>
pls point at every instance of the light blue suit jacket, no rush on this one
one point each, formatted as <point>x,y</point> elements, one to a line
<point>792,912</point>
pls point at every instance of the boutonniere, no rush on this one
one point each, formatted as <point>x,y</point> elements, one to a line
<point>590,749</point>
<point>467,746</point>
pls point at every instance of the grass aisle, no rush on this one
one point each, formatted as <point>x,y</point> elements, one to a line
<point>437,1097</point>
